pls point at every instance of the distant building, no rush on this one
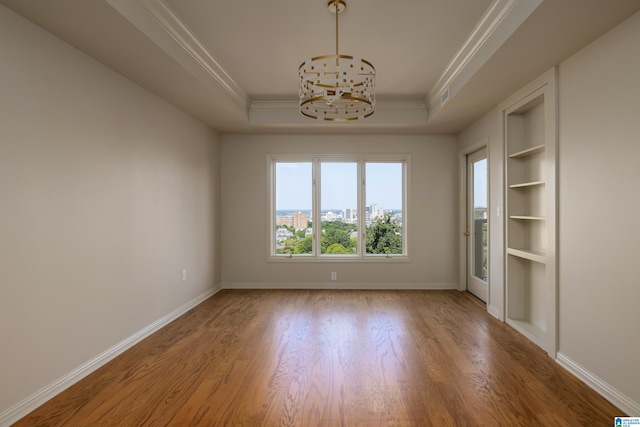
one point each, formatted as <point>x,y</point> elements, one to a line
<point>330,216</point>
<point>300,220</point>
<point>285,220</point>
<point>283,234</point>
<point>349,215</point>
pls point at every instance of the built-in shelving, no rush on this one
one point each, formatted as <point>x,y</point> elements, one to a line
<point>530,275</point>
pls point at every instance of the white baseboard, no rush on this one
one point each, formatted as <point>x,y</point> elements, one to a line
<point>24,407</point>
<point>614,396</point>
<point>340,285</point>
<point>495,312</point>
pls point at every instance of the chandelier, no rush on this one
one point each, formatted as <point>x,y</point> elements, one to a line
<point>337,87</point>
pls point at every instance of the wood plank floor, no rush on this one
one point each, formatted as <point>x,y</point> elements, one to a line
<point>330,358</point>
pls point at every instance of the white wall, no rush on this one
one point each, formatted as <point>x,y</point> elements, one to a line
<point>599,102</point>
<point>599,204</point>
<point>487,129</point>
<point>431,216</point>
<point>106,193</point>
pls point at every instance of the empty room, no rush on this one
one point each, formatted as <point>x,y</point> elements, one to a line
<point>319,213</point>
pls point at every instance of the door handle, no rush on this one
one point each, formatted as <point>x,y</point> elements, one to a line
<point>466,233</point>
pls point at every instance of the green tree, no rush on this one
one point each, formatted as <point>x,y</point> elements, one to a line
<point>304,246</point>
<point>288,247</point>
<point>384,236</point>
<point>336,235</point>
<point>337,248</point>
<point>338,225</point>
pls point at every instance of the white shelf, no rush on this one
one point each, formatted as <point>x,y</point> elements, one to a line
<point>530,124</point>
<point>531,255</point>
<point>528,152</point>
<point>527,184</point>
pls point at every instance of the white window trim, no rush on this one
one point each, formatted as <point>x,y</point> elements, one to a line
<point>361,159</point>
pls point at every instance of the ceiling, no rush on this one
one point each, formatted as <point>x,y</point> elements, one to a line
<point>440,64</point>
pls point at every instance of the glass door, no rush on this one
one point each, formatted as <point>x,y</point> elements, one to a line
<point>477,225</point>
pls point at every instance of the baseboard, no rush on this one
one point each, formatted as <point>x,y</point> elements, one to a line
<point>614,396</point>
<point>495,312</point>
<point>339,285</point>
<point>24,407</point>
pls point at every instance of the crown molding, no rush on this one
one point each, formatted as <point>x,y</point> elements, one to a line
<point>156,20</point>
<point>498,23</point>
<point>159,22</point>
<point>386,112</point>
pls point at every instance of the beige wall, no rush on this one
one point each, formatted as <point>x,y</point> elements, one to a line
<point>431,216</point>
<point>600,206</point>
<point>599,203</point>
<point>486,130</point>
<point>106,193</point>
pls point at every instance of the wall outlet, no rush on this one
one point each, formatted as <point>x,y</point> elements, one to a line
<point>184,274</point>
<point>334,275</point>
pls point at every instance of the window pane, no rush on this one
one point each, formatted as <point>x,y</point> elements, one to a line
<point>479,232</point>
<point>293,186</point>
<point>384,208</point>
<point>338,206</point>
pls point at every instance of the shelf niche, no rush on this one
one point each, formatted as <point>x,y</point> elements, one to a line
<point>530,133</point>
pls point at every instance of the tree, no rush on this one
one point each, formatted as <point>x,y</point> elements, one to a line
<point>337,248</point>
<point>332,236</point>
<point>288,247</point>
<point>384,236</point>
<point>304,246</point>
<point>339,225</point>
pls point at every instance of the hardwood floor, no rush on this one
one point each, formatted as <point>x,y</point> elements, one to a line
<point>330,358</point>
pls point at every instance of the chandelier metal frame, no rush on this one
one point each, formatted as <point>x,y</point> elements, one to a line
<point>337,87</point>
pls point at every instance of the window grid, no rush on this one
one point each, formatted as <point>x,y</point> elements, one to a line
<point>361,208</point>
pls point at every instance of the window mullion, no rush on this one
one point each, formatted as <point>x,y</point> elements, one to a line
<point>362,214</point>
<point>317,217</point>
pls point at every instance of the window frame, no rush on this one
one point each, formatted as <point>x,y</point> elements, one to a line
<point>316,161</point>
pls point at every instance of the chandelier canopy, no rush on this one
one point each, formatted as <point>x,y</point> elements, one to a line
<point>337,87</point>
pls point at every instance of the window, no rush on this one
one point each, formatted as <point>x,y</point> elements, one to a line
<point>337,208</point>
<point>384,226</point>
<point>293,201</point>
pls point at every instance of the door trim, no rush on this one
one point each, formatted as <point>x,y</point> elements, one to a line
<point>462,213</point>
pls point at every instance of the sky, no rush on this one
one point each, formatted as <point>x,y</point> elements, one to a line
<point>480,184</point>
<point>338,185</point>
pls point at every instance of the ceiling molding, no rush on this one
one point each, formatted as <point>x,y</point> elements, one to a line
<point>156,20</point>
<point>386,112</point>
<point>498,23</point>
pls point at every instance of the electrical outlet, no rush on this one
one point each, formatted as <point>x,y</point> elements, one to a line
<point>334,275</point>
<point>184,274</point>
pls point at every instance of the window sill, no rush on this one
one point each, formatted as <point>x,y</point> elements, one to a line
<point>339,259</point>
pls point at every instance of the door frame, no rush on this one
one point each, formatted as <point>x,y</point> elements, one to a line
<point>462,214</point>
